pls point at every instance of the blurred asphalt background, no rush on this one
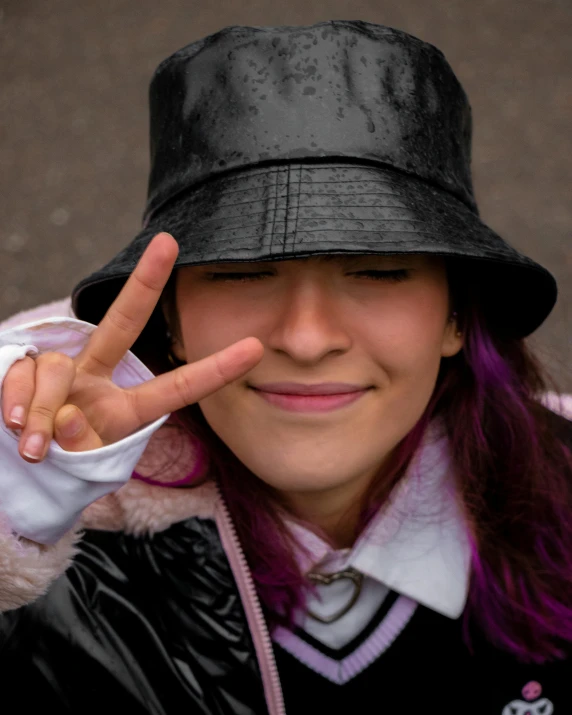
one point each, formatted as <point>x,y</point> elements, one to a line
<point>73,125</point>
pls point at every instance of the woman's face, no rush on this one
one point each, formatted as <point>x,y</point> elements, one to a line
<point>378,322</point>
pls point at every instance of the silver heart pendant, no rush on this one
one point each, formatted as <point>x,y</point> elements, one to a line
<point>326,579</point>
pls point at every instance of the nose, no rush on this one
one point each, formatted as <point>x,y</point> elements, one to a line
<point>308,324</point>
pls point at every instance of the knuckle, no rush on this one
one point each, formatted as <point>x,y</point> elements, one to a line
<point>148,285</point>
<point>93,364</point>
<point>21,389</point>
<point>55,362</point>
<point>18,388</point>
<point>122,322</point>
<point>183,387</point>
<point>43,412</point>
<point>21,375</point>
<point>220,369</point>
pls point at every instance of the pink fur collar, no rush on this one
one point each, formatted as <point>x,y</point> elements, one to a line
<point>141,507</point>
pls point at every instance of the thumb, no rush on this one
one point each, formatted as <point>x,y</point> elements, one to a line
<point>73,432</point>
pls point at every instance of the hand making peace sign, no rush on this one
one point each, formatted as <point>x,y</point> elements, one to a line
<point>74,400</point>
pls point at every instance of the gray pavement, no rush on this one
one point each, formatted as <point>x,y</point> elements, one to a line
<point>73,125</point>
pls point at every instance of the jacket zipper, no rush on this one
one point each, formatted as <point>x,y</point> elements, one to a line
<point>253,609</point>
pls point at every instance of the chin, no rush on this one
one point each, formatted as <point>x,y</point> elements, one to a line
<point>302,486</point>
<point>302,477</point>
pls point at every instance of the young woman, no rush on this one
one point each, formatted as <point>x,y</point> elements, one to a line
<point>287,451</point>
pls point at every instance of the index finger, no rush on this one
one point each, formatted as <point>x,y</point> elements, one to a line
<point>130,311</point>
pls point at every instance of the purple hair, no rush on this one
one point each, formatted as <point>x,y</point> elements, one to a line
<point>513,472</point>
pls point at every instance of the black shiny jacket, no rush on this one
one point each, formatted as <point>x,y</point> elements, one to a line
<point>137,625</point>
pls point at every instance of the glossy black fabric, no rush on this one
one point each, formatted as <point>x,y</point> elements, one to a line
<point>275,143</point>
<point>139,626</point>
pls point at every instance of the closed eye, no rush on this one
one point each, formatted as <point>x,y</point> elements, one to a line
<point>235,276</point>
<point>397,275</point>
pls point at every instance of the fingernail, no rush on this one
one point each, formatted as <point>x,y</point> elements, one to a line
<point>71,424</point>
<point>17,415</point>
<point>34,447</point>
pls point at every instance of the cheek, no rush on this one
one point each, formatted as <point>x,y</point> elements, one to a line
<point>210,326</point>
<point>214,316</point>
<point>407,341</point>
<point>406,346</point>
<point>414,314</point>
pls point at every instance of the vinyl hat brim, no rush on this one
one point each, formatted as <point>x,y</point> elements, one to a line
<point>294,210</point>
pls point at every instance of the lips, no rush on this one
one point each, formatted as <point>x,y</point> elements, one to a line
<point>311,403</point>
<point>297,388</point>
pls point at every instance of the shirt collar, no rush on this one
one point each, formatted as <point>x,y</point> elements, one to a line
<point>417,544</point>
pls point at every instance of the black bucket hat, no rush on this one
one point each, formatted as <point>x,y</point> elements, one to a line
<point>273,143</point>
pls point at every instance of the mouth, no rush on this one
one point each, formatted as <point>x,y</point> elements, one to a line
<point>311,403</point>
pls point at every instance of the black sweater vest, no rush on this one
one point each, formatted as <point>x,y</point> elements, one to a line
<point>428,669</point>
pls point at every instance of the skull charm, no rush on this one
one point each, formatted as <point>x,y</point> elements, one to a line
<point>530,692</point>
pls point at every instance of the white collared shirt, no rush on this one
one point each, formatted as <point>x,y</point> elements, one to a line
<point>417,545</point>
